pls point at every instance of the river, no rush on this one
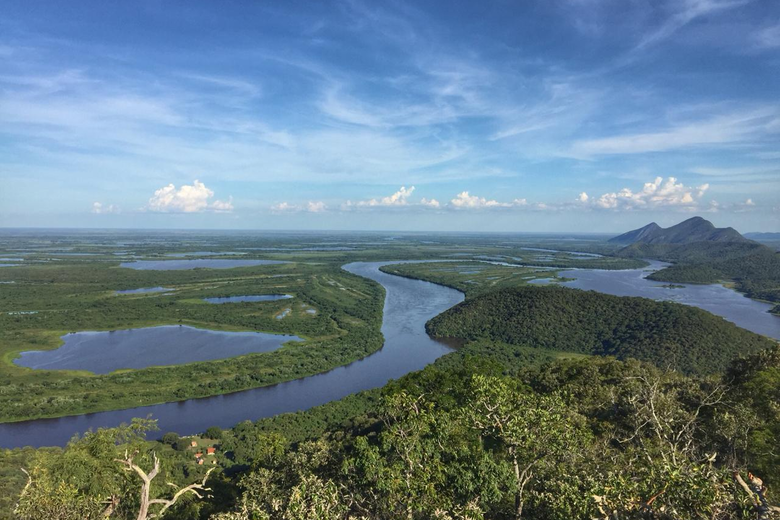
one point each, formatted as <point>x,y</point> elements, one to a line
<point>408,305</point>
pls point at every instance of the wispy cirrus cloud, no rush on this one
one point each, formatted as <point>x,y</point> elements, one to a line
<point>684,12</point>
<point>729,128</point>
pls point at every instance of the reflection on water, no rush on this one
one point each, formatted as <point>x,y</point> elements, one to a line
<point>145,290</point>
<point>252,298</point>
<point>408,305</point>
<point>106,351</point>
<point>175,265</point>
<point>735,307</point>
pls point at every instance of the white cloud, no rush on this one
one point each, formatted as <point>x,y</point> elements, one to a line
<point>687,11</point>
<point>187,199</point>
<point>749,202</point>
<point>658,193</point>
<point>399,198</point>
<point>464,200</point>
<point>467,201</point>
<point>729,128</point>
<point>432,203</point>
<point>103,209</point>
<point>768,37</point>
<point>311,207</point>
<point>283,207</point>
<point>315,207</point>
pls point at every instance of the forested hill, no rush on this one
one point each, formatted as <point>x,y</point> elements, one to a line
<point>668,334</point>
<point>695,229</point>
<point>703,253</point>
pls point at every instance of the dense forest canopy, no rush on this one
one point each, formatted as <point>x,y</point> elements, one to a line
<point>668,334</point>
<point>573,438</point>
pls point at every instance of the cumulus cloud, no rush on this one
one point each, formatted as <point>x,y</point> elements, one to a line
<point>187,199</point>
<point>102,209</point>
<point>464,200</point>
<point>399,198</point>
<point>658,193</point>
<point>315,207</point>
<point>311,207</point>
<point>432,203</point>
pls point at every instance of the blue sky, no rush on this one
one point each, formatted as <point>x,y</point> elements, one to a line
<point>550,115</point>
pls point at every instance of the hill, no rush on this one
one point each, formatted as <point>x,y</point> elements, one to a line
<point>560,319</point>
<point>695,229</point>
<point>703,253</point>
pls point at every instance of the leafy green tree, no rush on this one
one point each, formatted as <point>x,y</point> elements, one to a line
<point>102,475</point>
<point>532,430</point>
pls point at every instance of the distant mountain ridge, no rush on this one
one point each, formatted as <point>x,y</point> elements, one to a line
<point>702,253</point>
<point>694,229</point>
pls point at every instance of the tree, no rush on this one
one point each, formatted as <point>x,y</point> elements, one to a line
<point>96,476</point>
<point>214,432</point>
<point>531,429</point>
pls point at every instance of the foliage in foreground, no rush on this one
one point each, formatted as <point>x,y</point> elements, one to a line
<point>582,438</point>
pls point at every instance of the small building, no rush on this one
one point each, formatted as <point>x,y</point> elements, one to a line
<point>194,444</point>
<point>198,455</point>
<point>211,450</point>
<point>200,462</point>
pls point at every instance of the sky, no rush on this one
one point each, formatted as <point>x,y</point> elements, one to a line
<point>548,115</point>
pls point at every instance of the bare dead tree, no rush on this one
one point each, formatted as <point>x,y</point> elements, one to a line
<point>757,493</point>
<point>146,483</point>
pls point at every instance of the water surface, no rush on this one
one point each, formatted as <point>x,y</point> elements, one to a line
<point>731,305</point>
<point>251,298</point>
<point>210,263</point>
<point>408,305</point>
<point>105,351</point>
<point>144,290</point>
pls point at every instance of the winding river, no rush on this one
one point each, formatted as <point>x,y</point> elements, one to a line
<point>408,305</point>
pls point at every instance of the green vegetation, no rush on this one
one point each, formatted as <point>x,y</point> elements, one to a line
<point>532,417</point>
<point>569,439</point>
<point>754,269</point>
<point>668,334</point>
<point>471,278</point>
<point>705,254</point>
<point>81,297</point>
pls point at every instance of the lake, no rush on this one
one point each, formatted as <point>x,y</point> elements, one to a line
<point>731,305</point>
<point>408,305</point>
<point>144,290</point>
<point>102,352</point>
<point>256,298</point>
<point>210,263</point>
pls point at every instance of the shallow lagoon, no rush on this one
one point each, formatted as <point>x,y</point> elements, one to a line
<point>105,351</point>
<point>255,298</point>
<point>144,290</point>
<point>210,263</point>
